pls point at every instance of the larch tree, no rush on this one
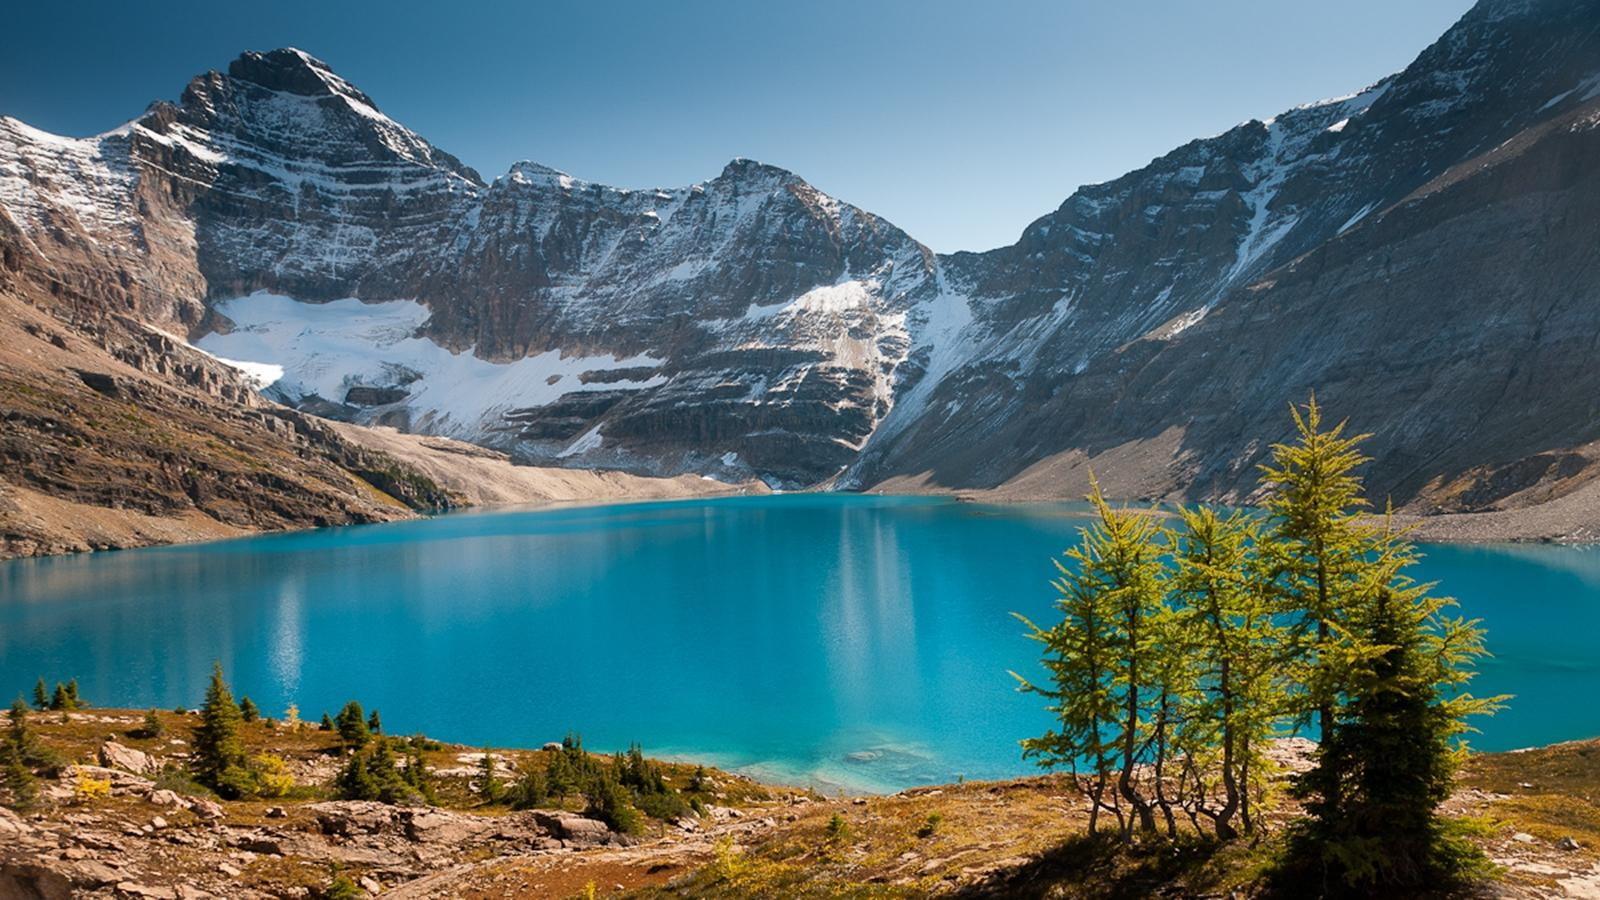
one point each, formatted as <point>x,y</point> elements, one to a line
<point>1182,650</point>
<point>1224,612</point>
<point>1317,548</point>
<point>1100,657</point>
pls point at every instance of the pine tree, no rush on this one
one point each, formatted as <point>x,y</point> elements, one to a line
<point>41,697</point>
<point>610,803</point>
<point>560,780</point>
<point>152,727</point>
<point>570,769</point>
<point>15,776</point>
<point>73,701</point>
<point>488,779</point>
<point>1373,797</point>
<point>374,723</point>
<point>355,781</point>
<point>59,700</point>
<point>219,760</point>
<point>416,775</point>
<point>352,725</point>
<point>531,790</point>
<point>326,724</point>
<point>248,711</point>
<point>392,786</point>
<point>17,733</point>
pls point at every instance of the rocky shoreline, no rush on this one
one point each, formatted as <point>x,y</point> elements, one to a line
<point>1571,520</point>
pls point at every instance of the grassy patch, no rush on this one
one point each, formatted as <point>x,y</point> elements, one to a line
<point>1550,792</point>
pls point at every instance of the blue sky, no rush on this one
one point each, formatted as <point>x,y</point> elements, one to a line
<point>959,122</point>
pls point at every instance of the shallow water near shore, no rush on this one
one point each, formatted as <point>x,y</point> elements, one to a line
<point>847,641</point>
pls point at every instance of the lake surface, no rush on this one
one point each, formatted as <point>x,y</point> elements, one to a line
<point>846,641</point>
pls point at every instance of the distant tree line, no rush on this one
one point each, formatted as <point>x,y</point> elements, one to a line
<point>1183,649</point>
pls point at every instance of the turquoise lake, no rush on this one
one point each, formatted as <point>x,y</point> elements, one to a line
<point>846,641</point>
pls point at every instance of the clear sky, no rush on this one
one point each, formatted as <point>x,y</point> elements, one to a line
<point>958,121</point>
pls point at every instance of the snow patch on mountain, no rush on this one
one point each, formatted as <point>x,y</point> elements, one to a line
<point>325,349</point>
<point>43,174</point>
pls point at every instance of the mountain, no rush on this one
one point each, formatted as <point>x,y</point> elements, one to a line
<point>1421,253</point>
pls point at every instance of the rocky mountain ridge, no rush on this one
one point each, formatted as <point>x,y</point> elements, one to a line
<point>1419,253</point>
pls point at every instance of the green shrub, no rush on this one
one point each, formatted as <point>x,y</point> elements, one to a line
<point>371,774</point>
<point>152,727</point>
<point>342,888</point>
<point>610,803</point>
<point>531,790</point>
<point>667,805</point>
<point>176,779</point>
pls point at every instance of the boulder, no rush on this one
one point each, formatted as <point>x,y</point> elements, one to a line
<point>436,826</point>
<point>348,818</point>
<point>574,829</point>
<point>53,880</point>
<point>205,809</point>
<point>117,756</point>
<point>121,782</point>
<point>164,797</point>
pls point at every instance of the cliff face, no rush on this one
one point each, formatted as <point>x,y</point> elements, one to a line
<point>1420,252</point>
<point>746,324</point>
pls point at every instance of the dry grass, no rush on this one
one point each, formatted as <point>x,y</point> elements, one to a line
<point>1550,793</point>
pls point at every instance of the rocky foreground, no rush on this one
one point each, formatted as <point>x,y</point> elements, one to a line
<point>122,821</point>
